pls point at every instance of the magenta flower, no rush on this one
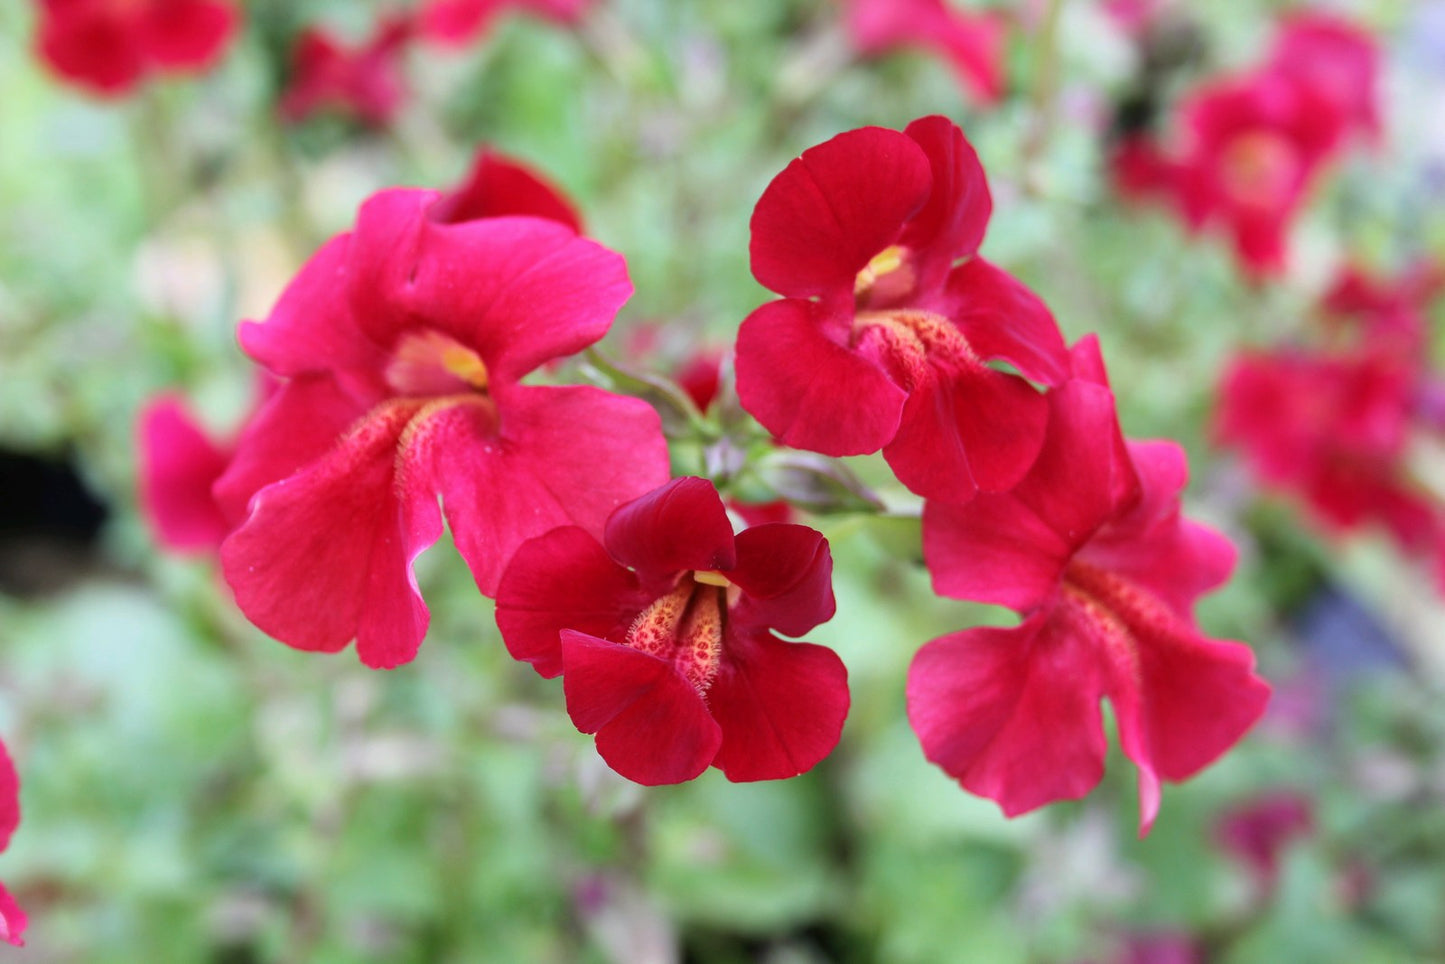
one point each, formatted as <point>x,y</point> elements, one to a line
<point>497,186</point>
<point>402,346</point>
<point>1332,430</point>
<point>364,81</point>
<point>971,43</point>
<point>1258,831</point>
<point>888,315</point>
<point>1091,549</point>
<point>12,918</point>
<point>663,635</point>
<point>108,46</point>
<point>457,22</point>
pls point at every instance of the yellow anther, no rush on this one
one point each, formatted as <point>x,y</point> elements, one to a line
<point>709,577</point>
<point>888,260</point>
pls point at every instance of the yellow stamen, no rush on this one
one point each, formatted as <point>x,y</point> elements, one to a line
<point>888,260</point>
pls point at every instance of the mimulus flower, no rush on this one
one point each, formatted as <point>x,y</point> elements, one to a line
<point>889,316</point>
<point>496,186</point>
<point>457,22</point>
<point>107,46</point>
<point>1091,549</point>
<point>1331,430</point>
<point>663,635</point>
<point>12,918</point>
<point>402,346</point>
<point>971,43</point>
<point>363,81</point>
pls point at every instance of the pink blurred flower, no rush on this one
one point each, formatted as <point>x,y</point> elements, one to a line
<point>364,81</point>
<point>972,43</point>
<point>458,22</point>
<point>1257,832</point>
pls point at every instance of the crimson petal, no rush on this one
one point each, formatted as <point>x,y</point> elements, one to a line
<point>179,463</point>
<point>325,555</point>
<point>785,573</point>
<point>652,726</point>
<point>809,391</point>
<point>1011,714</point>
<point>550,457</point>
<point>682,525</point>
<point>563,580</point>
<point>825,216</point>
<point>780,706</point>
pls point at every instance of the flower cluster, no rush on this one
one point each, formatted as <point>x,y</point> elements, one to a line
<point>1250,147</point>
<point>1333,425</point>
<point>392,379</point>
<point>882,340</point>
<point>108,46</point>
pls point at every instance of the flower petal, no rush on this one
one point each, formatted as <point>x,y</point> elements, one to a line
<point>1003,319</point>
<point>187,34</point>
<point>178,466</point>
<point>682,525</point>
<point>1011,714</point>
<point>994,549</point>
<point>9,797</point>
<point>497,186</point>
<point>652,726</point>
<point>978,429</point>
<point>786,574</point>
<point>809,391</point>
<point>951,224</point>
<point>519,290</point>
<point>311,328</point>
<point>295,426</point>
<point>831,210</point>
<point>780,705</point>
<point>13,920</point>
<point>326,553</point>
<point>1180,699</point>
<point>563,580</point>
<point>550,457</point>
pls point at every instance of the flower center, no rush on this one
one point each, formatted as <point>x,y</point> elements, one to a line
<point>1120,611</point>
<point>685,627</point>
<point>887,277</point>
<point>429,363</point>
<point>909,340</point>
<point>1258,169</point>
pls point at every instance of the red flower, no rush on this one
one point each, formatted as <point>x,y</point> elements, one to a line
<point>12,918</point>
<point>971,43</point>
<point>881,337</point>
<point>456,22</point>
<point>403,345</point>
<point>107,46</point>
<point>1334,57</point>
<point>179,464</point>
<point>1255,147</point>
<point>1259,831</point>
<point>1090,547</point>
<point>1386,314</point>
<point>364,81</point>
<point>663,634</point>
<point>1333,431</point>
